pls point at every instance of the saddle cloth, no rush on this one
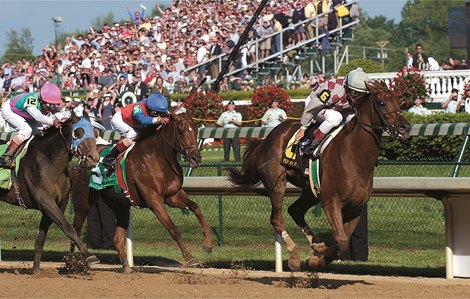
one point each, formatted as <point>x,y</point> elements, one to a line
<point>308,165</point>
<point>5,174</point>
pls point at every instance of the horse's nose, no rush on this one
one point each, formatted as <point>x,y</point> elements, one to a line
<point>404,129</point>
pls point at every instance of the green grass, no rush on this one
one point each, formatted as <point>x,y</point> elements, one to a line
<point>406,235</point>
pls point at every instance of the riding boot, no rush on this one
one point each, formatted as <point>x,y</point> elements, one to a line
<point>7,160</point>
<point>309,148</point>
<point>317,139</point>
<point>108,160</point>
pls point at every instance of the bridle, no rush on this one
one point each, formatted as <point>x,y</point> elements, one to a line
<point>70,146</point>
<point>185,150</point>
<point>384,126</point>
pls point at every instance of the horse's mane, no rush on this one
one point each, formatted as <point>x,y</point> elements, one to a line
<point>151,130</point>
<point>376,86</point>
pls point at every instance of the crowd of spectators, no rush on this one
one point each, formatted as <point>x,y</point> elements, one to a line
<point>147,53</point>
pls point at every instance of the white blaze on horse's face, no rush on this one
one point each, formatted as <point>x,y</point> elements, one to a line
<point>190,129</point>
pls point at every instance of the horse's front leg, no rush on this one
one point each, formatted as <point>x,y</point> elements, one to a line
<point>299,208</point>
<point>326,254</point>
<point>181,200</point>
<point>277,221</point>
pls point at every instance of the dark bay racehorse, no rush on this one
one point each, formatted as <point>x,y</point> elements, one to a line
<point>43,180</point>
<point>155,178</point>
<point>346,176</point>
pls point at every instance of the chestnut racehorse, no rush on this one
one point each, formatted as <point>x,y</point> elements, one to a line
<point>154,178</point>
<point>346,175</point>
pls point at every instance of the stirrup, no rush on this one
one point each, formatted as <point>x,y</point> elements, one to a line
<point>7,162</point>
<point>109,170</point>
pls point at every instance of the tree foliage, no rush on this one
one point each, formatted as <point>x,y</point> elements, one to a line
<point>19,45</point>
<point>99,22</point>
<point>423,21</point>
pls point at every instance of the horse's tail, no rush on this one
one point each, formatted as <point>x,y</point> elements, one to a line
<point>248,177</point>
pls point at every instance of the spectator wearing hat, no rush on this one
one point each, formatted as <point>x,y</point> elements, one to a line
<point>274,115</point>
<point>67,107</point>
<point>77,107</point>
<point>418,108</point>
<point>179,109</point>
<point>231,119</point>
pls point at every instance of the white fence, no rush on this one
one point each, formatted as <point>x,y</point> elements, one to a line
<point>439,82</point>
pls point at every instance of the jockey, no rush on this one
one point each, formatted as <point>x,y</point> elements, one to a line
<point>327,100</point>
<point>130,119</point>
<point>28,111</point>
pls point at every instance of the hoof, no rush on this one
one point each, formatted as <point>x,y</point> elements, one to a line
<point>316,262</point>
<point>127,270</point>
<point>193,263</point>
<point>207,249</point>
<point>319,248</point>
<point>294,264</point>
<point>92,259</point>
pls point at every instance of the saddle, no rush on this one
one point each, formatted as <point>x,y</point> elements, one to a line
<point>294,157</point>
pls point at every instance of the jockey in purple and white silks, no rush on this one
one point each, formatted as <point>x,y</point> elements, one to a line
<point>28,112</point>
<point>327,100</point>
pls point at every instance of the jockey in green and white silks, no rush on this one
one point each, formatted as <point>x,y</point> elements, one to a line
<point>28,112</point>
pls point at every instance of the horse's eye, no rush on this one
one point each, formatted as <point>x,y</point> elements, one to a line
<point>382,103</point>
<point>78,133</point>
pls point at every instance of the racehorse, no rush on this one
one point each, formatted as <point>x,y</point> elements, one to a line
<point>43,182</point>
<point>154,178</point>
<point>346,173</point>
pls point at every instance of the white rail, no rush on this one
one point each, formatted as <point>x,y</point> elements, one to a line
<point>454,193</point>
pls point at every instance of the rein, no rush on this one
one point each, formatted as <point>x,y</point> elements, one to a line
<point>387,127</point>
<point>181,149</point>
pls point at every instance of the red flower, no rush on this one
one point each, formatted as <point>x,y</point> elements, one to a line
<point>205,107</point>
<point>262,98</point>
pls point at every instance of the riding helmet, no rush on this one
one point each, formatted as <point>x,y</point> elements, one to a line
<point>356,80</point>
<point>50,93</point>
<point>157,102</point>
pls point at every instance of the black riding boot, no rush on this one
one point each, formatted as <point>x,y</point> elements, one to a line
<point>108,161</point>
<point>310,148</point>
<point>7,160</point>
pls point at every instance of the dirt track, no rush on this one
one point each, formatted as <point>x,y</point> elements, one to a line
<point>159,282</point>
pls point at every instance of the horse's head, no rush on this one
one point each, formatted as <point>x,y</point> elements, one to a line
<point>384,113</point>
<point>82,139</point>
<point>186,132</point>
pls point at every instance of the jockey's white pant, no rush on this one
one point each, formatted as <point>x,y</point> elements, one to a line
<point>328,119</point>
<point>18,122</point>
<point>123,129</point>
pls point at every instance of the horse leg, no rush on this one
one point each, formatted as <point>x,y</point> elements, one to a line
<point>44,226</point>
<point>158,208</point>
<point>325,255</point>
<point>57,216</point>
<point>182,201</point>
<point>299,208</point>
<point>277,221</point>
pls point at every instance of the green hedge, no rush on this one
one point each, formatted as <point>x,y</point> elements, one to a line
<point>427,148</point>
